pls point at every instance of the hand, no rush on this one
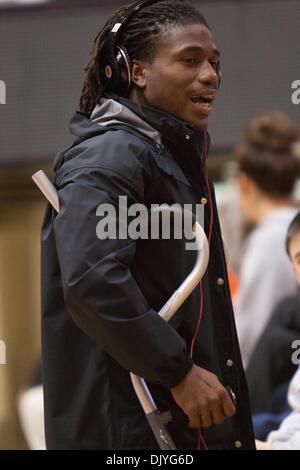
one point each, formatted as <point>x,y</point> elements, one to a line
<point>203,398</point>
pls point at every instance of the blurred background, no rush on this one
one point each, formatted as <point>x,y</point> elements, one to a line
<point>44,46</point>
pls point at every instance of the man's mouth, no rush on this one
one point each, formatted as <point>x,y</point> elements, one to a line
<point>203,103</point>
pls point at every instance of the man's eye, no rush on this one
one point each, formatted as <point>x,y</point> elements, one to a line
<point>214,64</point>
<point>190,60</point>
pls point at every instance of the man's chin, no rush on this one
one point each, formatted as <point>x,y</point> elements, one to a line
<point>200,124</point>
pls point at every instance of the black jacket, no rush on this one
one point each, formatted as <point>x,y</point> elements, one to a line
<point>100,297</point>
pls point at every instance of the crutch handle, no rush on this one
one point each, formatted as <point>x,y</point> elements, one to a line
<point>47,188</point>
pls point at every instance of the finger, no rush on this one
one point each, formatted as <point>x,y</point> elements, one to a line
<point>228,406</point>
<point>194,420</point>
<point>206,419</point>
<point>217,413</point>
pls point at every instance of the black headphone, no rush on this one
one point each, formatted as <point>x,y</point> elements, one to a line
<point>118,71</point>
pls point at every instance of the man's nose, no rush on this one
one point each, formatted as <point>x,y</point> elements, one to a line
<point>208,75</point>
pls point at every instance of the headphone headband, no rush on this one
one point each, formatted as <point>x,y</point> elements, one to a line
<point>120,22</point>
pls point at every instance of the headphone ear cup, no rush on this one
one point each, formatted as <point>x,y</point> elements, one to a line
<point>118,72</point>
<point>111,76</point>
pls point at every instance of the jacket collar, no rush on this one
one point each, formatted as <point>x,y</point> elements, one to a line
<point>173,130</point>
<point>185,143</point>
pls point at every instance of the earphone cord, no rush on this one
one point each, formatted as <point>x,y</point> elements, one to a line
<point>201,445</point>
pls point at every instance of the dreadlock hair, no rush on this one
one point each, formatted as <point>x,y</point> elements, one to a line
<point>138,36</point>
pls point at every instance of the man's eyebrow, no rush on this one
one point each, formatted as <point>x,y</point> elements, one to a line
<point>198,49</point>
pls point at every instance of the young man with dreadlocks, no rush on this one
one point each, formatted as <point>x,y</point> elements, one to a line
<point>141,133</point>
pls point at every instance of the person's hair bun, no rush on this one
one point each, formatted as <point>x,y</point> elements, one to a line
<point>272,132</point>
<point>269,155</point>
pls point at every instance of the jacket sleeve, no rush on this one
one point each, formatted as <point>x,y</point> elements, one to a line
<point>100,293</point>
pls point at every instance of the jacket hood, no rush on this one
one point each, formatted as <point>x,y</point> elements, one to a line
<point>110,112</point>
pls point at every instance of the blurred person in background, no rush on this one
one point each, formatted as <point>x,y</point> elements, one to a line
<point>268,170</point>
<point>271,367</point>
<point>287,437</point>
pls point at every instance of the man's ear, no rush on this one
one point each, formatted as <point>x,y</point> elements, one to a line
<point>139,73</point>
